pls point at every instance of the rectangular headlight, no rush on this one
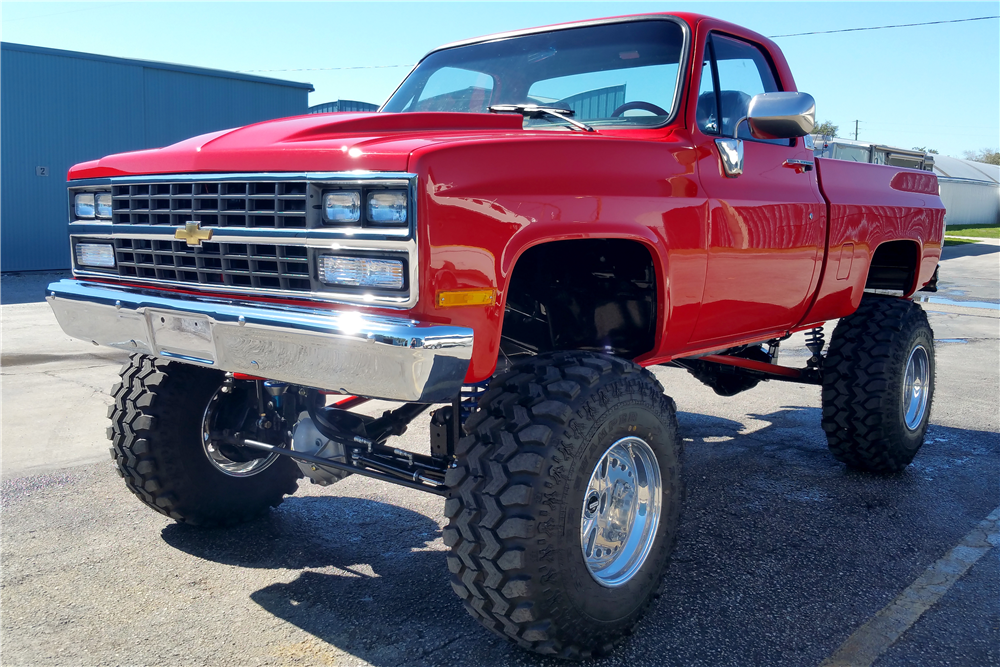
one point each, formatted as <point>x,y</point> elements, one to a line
<point>83,205</point>
<point>103,204</point>
<point>387,207</point>
<point>361,272</point>
<point>95,254</point>
<point>342,206</point>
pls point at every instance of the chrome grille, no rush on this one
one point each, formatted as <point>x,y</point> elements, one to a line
<point>248,265</point>
<point>274,204</point>
<point>268,231</point>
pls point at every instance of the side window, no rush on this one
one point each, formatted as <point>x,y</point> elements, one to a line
<point>743,71</point>
<point>707,112</point>
<point>455,89</point>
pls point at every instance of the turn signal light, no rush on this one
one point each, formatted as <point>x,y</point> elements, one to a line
<point>466,297</point>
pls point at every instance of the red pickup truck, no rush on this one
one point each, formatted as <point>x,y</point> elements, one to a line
<point>529,222</point>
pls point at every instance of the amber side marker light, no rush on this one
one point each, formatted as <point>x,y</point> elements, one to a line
<point>466,297</point>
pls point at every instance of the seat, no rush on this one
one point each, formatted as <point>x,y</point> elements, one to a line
<point>734,107</point>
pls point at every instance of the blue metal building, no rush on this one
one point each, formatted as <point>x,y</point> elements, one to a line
<point>65,107</point>
<point>343,105</point>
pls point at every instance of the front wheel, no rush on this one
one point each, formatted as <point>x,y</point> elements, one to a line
<point>565,502</point>
<point>160,424</point>
<point>878,384</point>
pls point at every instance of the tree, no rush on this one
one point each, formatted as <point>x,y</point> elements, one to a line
<point>924,149</point>
<point>826,128</point>
<point>987,155</point>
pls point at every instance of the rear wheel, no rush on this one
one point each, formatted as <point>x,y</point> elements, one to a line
<point>565,502</point>
<point>878,384</point>
<point>160,423</point>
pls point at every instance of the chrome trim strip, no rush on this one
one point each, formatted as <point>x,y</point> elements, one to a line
<point>339,298</point>
<point>341,350</point>
<point>284,235</point>
<point>88,182</point>
<point>360,176</point>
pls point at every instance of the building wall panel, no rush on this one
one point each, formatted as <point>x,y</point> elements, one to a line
<point>968,202</point>
<point>179,105</point>
<point>61,108</point>
<point>57,111</point>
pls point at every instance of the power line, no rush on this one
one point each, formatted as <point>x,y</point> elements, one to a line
<point>924,125</point>
<point>883,27</point>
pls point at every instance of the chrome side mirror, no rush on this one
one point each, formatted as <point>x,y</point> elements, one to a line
<point>769,116</point>
<point>781,115</point>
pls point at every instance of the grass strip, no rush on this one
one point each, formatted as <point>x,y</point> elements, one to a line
<point>977,231</point>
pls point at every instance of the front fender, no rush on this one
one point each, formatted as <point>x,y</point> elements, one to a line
<point>484,204</point>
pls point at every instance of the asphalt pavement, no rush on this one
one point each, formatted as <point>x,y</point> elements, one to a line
<point>784,557</point>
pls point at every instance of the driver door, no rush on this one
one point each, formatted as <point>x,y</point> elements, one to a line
<point>767,226</point>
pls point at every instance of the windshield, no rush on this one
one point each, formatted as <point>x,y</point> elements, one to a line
<point>615,74</point>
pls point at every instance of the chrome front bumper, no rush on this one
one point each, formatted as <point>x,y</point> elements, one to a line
<point>342,350</point>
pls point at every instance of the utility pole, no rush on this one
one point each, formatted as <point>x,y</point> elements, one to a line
<point>856,129</point>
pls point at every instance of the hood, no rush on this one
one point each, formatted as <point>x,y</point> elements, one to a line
<point>316,142</point>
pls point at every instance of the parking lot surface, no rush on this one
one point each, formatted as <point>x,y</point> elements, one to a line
<point>784,557</point>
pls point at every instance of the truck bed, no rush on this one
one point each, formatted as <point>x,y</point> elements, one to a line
<point>881,218</point>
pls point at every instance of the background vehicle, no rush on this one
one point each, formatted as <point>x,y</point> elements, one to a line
<point>528,222</point>
<point>862,151</point>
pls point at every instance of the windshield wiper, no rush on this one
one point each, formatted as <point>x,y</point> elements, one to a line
<point>536,111</point>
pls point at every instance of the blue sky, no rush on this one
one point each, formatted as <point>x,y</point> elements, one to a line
<point>936,86</point>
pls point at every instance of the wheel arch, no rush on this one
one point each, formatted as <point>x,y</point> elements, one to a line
<point>894,265</point>
<point>576,254</point>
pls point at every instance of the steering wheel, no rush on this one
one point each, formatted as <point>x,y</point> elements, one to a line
<point>638,104</point>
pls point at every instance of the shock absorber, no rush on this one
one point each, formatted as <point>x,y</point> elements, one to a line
<point>815,343</point>
<point>469,399</point>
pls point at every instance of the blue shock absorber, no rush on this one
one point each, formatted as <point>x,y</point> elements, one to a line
<point>275,389</point>
<point>469,396</point>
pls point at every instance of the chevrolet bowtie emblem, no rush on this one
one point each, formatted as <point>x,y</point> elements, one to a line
<point>193,233</point>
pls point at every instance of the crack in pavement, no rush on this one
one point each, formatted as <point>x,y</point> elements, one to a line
<point>84,385</point>
<point>427,652</point>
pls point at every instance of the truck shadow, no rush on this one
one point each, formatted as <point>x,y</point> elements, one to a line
<point>968,250</point>
<point>313,532</point>
<point>375,584</point>
<point>782,552</point>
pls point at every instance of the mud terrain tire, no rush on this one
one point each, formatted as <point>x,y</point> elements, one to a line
<point>514,516</point>
<point>866,395</point>
<point>156,436</point>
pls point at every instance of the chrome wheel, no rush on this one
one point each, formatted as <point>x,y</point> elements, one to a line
<point>218,458</point>
<point>621,510</point>
<point>916,387</point>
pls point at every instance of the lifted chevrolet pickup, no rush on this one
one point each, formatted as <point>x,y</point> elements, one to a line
<point>529,222</point>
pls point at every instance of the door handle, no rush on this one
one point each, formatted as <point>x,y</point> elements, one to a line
<point>799,166</point>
